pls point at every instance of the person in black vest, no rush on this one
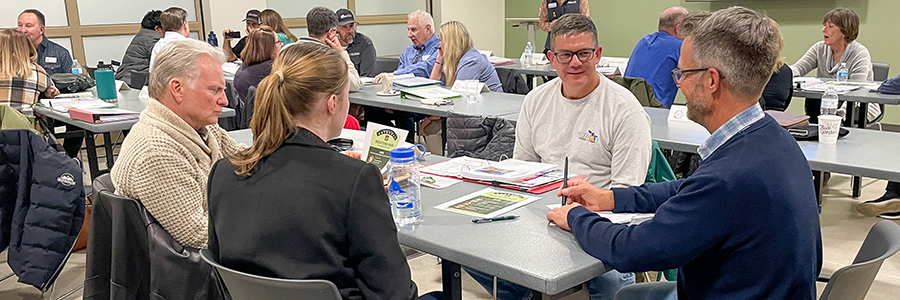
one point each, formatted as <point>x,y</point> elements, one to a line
<point>551,10</point>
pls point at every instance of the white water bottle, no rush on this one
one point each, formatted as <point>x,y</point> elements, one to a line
<point>528,55</point>
<point>76,67</point>
<point>843,73</point>
<point>829,102</point>
<point>403,186</point>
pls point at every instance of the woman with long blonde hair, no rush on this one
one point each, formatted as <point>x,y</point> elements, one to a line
<point>22,80</point>
<point>458,60</point>
<point>273,19</point>
<point>292,207</point>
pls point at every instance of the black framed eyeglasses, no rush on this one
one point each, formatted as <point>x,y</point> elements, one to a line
<point>583,55</point>
<point>678,73</point>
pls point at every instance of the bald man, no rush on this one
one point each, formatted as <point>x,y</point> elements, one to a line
<point>656,54</point>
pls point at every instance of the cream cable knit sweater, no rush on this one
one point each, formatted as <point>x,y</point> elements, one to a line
<point>164,164</point>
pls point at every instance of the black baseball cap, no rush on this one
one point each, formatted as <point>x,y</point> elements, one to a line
<point>253,16</point>
<point>344,16</point>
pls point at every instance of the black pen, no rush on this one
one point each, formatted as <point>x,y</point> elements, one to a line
<point>565,180</point>
<point>488,220</point>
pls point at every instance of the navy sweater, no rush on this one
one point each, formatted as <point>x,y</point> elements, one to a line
<point>745,225</point>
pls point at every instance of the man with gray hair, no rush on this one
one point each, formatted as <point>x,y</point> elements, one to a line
<point>737,210</point>
<point>321,24</point>
<point>166,158</point>
<point>174,22</point>
<point>656,54</point>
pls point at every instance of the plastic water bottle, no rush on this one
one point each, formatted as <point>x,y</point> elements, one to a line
<point>403,186</point>
<point>76,67</point>
<point>212,40</point>
<point>829,102</point>
<point>528,55</point>
<point>843,73</point>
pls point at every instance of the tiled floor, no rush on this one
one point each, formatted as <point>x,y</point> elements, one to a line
<point>843,231</point>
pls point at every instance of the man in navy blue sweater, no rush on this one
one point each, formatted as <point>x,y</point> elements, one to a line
<point>745,225</point>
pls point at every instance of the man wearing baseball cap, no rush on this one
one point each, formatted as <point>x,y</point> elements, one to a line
<point>358,45</point>
<point>252,22</point>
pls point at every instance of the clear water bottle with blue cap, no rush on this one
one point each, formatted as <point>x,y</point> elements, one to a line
<point>403,186</point>
<point>212,39</point>
<point>843,73</point>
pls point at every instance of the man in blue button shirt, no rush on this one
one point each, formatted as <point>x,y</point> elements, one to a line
<point>51,56</point>
<point>417,59</point>
<point>656,54</point>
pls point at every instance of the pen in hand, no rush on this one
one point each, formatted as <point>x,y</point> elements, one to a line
<point>488,220</point>
<point>565,180</point>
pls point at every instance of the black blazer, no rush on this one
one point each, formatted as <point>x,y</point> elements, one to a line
<point>309,212</point>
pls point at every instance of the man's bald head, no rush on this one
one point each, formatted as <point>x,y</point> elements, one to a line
<point>671,17</point>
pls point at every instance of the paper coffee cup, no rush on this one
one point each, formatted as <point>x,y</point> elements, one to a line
<point>387,82</point>
<point>829,126</point>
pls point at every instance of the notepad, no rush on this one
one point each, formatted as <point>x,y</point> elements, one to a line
<point>619,218</point>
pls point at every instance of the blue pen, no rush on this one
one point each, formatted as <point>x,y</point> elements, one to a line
<point>488,220</point>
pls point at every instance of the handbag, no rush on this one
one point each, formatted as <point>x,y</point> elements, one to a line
<point>72,83</point>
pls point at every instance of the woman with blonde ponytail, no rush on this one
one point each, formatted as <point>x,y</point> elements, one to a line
<point>458,60</point>
<point>292,207</point>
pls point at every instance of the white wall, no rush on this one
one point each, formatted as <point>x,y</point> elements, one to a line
<point>485,20</point>
<point>227,14</point>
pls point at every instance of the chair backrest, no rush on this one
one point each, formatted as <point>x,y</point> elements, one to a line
<point>881,71</point>
<point>138,79</point>
<point>243,286</point>
<point>247,109</point>
<point>853,281</point>
<point>386,64</point>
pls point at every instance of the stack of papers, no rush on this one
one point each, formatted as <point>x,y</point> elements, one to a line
<point>415,82</point>
<point>511,171</point>
<point>64,102</point>
<point>427,92</point>
<point>500,61</point>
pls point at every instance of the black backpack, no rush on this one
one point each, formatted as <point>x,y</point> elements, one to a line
<point>72,83</point>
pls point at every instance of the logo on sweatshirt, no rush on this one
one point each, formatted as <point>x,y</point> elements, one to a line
<point>66,179</point>
<point>588,136</point>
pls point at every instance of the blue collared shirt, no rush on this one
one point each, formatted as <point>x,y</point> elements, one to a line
<point>654,57</point>
<point>419,61</point>
<point>53,57</point>
<point>474,65</point>
<point>729,129</point>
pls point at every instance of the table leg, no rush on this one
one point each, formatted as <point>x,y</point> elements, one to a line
<point>541,296</point>
<point>856,182</point>
<point>92,154</point>
<point>444,136</point>
<point>451,279</point>
<point>108,146</point>
<point>529,80</point>
<point>819,185</point>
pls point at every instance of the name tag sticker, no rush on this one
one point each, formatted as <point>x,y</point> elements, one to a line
<point>425,57</point>
<point>551,5</point>
<point>572,2</point>
<point>50,60</point>
<point>354,53</point>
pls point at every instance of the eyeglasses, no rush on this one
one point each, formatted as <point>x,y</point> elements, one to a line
<point>678,73</point>
<point>564,57</point>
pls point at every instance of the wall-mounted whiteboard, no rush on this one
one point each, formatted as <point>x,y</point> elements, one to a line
<point>384,7</point>
<point>105,48</point>
<point>299,8</point>
<point>54,12</point>
<point>106,12</point>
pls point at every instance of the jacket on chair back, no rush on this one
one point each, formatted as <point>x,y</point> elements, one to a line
<point>41,206</point>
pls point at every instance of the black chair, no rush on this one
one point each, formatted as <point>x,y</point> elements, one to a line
<point>247,109</point>
<point>386,64</point>
<point>130,256</point>
<point>138,79</point>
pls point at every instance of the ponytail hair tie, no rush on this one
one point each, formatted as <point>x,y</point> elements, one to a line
<point>280,76</point>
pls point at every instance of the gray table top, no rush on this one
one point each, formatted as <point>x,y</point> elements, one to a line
<point>128,100</point>
<point>489,104</point>
<point>525,251</point>
<point>539,70</point>
<point>863,152</point>
<point>859,95</point>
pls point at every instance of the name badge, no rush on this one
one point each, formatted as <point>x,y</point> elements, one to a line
<point>425,57</point>
<point>551,5</point>
<point>354,53</point>
<point>572,2</point>
<point>50,60</point>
